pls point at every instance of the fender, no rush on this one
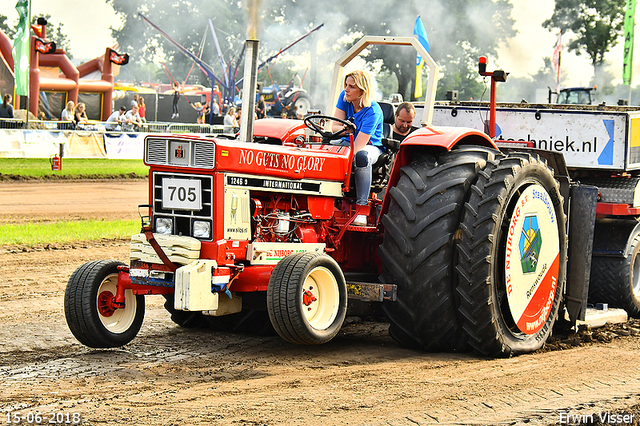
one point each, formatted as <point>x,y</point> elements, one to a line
<point>433,139</point>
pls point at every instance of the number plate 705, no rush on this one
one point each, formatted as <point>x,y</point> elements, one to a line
<point>181,194</point>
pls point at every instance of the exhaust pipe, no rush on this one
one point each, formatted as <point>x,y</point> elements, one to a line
<point>250,85</point>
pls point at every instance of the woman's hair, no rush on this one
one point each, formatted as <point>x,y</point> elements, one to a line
<point>140,100</point>
<point>70,105</point>
<point>363,81</point>
<point>231,111</point>
<point>78,106</point>
<point>5,100</point>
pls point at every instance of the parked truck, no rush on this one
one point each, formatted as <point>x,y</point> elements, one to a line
<point>600,146</point>
<point>466,246</point>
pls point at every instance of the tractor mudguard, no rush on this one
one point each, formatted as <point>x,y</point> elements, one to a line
<point>435,139</point>
<point>581,230</point>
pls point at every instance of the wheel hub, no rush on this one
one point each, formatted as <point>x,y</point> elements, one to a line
<point>105,304</point>
<point>308,298</point>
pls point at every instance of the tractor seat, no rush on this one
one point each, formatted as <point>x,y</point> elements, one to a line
<point>382,167</point>
<point>388,118</point>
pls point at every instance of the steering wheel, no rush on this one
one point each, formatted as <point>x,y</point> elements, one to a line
<point>316,122</point>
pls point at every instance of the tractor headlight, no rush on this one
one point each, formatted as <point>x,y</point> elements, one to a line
<point>201,229</point>
<point>164,225</point>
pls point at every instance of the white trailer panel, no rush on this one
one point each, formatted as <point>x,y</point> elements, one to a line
<point>588,139</point>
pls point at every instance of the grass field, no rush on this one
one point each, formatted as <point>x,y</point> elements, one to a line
<point>73,168</point>
<point>66,231</point>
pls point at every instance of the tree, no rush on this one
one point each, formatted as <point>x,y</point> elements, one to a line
<point>54,33</point>
<point>184,21</point>
<point>5,28</point>
<point>459,31</point>
<point>598,25</point>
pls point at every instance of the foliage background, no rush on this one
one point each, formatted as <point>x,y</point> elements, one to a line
<point>459,31</point>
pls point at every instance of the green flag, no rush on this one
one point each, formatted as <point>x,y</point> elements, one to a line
<point>21,45</point>
<point>629,23</point>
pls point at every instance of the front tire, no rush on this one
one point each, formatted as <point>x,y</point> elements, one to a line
<point>307,298</point>
<point>512,257</point>
<point>88,310</point>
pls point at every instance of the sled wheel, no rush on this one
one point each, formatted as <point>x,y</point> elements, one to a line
<point>89,311</point>
<point>186,319</point>
<point>512,256</point>
<point>616,280</point>
<point>417,253</point>
<point>307,298</point>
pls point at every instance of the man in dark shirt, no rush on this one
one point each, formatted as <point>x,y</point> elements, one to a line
<point>403,125</point>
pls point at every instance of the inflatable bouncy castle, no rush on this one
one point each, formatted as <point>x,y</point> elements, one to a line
<point>54,80</point>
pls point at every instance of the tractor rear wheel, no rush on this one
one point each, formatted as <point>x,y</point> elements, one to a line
<point>616,280</point>
<point>302,102</point>
<point>512,256</point>
<point>307,298</point>
<point>417,253</point>
<point>89,310</point>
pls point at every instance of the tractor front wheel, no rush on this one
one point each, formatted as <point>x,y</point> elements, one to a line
<point>89,310</point>
<point>307,298</point>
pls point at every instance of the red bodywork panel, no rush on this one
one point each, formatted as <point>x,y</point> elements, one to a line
<point>610,209</point>
<point>285,130</point>
<point>282,161</point>
<point>440,138</point>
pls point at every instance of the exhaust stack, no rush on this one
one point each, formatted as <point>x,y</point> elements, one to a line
<point>250,83</point>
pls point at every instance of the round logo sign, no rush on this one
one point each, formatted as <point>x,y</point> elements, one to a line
<point>532,259</point>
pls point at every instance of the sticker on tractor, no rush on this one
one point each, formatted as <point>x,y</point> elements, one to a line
<point>532,259</point>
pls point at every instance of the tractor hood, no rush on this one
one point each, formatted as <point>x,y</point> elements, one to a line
<point>323,163</point>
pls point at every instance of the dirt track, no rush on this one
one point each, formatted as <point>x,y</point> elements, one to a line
<point>170,375</point>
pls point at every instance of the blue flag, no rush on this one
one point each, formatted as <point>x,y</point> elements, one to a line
<point>421,35</point>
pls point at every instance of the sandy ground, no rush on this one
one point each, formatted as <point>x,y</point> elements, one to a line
<point>174,376</point>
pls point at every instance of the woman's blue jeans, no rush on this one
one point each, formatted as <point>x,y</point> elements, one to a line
<point>362,162</point>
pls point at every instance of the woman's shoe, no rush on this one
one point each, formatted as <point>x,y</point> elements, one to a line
<point>360,220</point>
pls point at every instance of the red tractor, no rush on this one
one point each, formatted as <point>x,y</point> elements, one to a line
<point>465,245</point>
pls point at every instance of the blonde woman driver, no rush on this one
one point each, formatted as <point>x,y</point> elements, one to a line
<point>355,102</point>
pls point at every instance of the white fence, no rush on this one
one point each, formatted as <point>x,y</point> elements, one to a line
<point>43,139</point>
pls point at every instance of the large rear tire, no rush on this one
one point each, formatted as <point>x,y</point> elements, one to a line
<point>512,257</point>
<point>307,298</point>
<point>616,280</point>
<point>420,231</point>
<point>88,310</point>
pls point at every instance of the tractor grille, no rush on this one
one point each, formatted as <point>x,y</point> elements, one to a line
<point>183,219</point>
<point>179,152</point>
